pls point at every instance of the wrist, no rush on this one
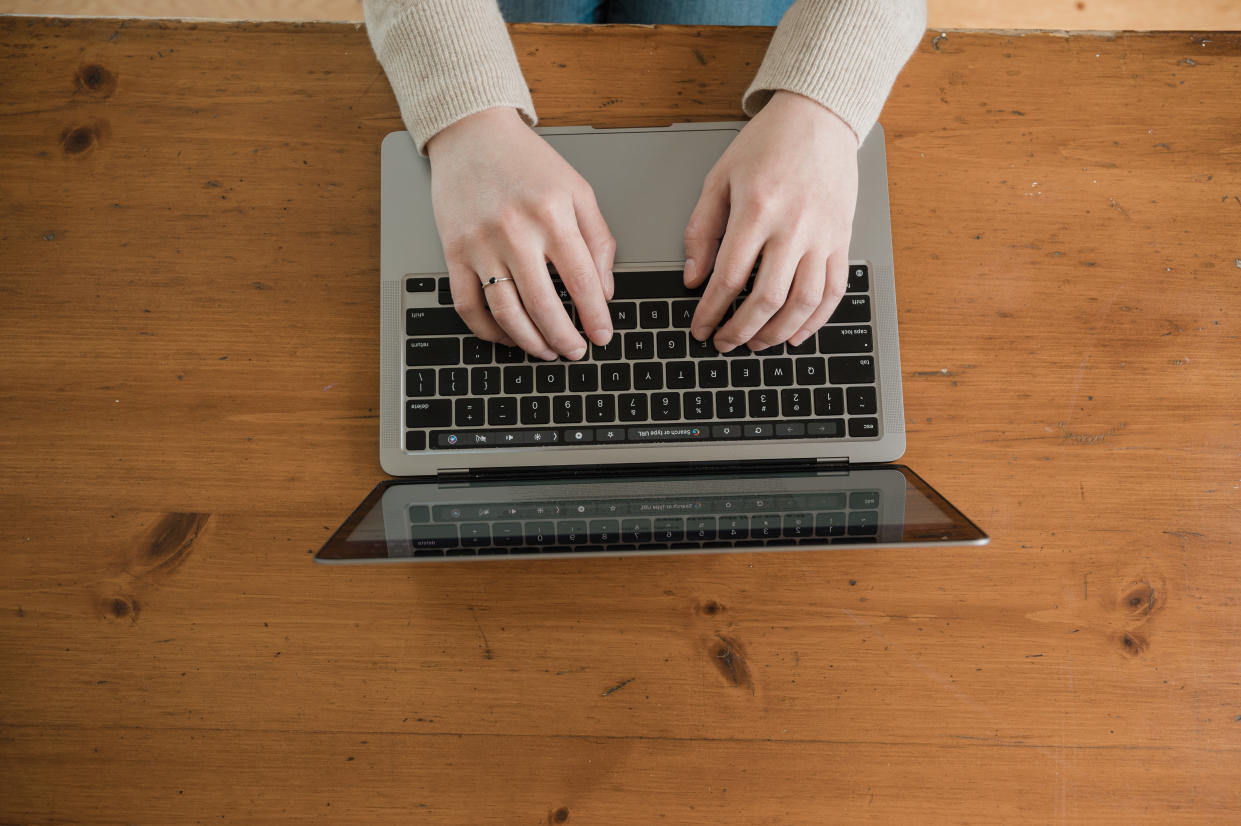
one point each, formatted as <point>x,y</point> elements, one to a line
<point>796,105</point>
<point>488,121</point>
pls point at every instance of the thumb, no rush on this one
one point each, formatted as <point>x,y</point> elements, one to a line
<point>703,233</point>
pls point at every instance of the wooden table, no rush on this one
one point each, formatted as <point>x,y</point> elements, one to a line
<point>189,236</point>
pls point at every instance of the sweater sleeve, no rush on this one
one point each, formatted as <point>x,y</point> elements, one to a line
<point>844,54</point>
<point>446,59</point>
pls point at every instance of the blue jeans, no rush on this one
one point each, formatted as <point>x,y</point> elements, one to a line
<point>684,12</point>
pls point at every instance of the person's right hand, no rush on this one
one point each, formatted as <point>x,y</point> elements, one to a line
<point>506,203</point>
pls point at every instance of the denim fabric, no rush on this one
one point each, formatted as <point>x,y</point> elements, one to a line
<point>684,12</point>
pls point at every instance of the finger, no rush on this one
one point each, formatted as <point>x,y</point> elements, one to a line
<point>467,298</point>
<point>704,231</point>
<point>804,297</point>
<point>833,291</point>
<point>738,250</point>
<point>770,292</point>
<point>572,258</point>
<point>506,308</point>
<point>599,242</point>
<point>541,304</point>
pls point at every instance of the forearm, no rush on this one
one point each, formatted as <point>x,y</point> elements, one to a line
<point>446,59</point>
<point>843,54</point>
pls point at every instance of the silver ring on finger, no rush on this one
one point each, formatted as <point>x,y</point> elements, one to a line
<point>493,280</point>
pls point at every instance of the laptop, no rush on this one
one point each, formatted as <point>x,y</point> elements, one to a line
<point>655,443</point>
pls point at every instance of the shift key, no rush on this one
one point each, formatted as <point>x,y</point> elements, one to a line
<point>422,351</point>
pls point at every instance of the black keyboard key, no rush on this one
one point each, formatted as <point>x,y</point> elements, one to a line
<point>864,500</point>
<point>665,407</point>
<point>698,405</point>
<point>862,401</point>
<point>415,440</point>
<point>671,344</point>
<point>859,279</point>
<point>639,346</point>
<point>608,352</point>
<point>419,285</point>
<point>668,529</point>
<point>624,314</point>
<point>571,532</point>
<point>419,383</point>
<point>679,375</point>
<point>601,409</point>
<point>777,372</point>
<point>764,404</point>
<point>476,534</point>
<point>549,378</point>
<point>683,313</point>
<point>863,428</point>
<point>648,375</point>
<point>851,370</point>
<point>806,348</point>
<point>828,401</point>
<point>847,339</point>
<point>454,381</point>
<point>583,378</point>
<point>653,315</point>
<point>535,410</point>
<point>518,380</point>
<point>484,381</point>
<point>604,531</point>
<point>434,321</point>
<point>796,525</point>
<point>702,349</point>
<point>863,523</point>
<point>475,351</point>
<point>433,536</point>
<point>853,309</point>
<point>632,407</point>
<point>615,376</point>
<point>746,373</point>
<point>730,404</point>
<point>811,371</point>
<point>636,530</point>
<point>469,412</point>
<point>765,526</point>
<point>430,351</point>
<point>795,402</point>
<point>700,528</point>
<point>507,534</point>
<point>509,355</point>
<point>713,373</point>
<point>734,527</point>
<point>829,524</point>
<point>428,413</point>
<point>501,410</point>
<point>567,409</point>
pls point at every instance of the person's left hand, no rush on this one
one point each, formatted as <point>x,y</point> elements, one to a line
<point>785,188</point>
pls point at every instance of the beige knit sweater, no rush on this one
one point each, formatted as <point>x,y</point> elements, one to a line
<point>447,59</point>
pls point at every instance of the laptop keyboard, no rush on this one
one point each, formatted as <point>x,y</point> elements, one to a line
<point>607,525</point>
<point>652,383</point>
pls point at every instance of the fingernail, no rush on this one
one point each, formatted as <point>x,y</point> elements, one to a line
<point>755,345</point>
<point>701,333</point>
<point>798,337</point>
<point>577,352</point>
<point>724,346</point>
<point>600,336</point>
<point>689,269</point>
<point>508,342</point>
<point>549,355</point>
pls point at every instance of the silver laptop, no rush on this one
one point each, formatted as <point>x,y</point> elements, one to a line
<point>656,443</point>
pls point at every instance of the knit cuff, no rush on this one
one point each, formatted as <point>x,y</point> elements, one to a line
<point>844,54</point>
<point>447,59</point>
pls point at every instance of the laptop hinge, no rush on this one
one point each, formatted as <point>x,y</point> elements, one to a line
<point>454,476</point>
<point>465,476</point>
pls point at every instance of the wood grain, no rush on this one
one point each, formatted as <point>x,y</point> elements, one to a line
<point>189,236</point>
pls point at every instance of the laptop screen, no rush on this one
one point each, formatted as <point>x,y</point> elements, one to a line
<point>599,515</point>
